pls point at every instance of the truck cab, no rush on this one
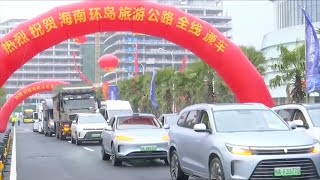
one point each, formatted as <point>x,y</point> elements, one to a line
<point>111,108</point>
<point>48,121</point>
<point>305,116</point>
<point>69,100</point>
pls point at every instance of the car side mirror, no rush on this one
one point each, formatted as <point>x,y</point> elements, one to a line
<point>292,125</point>
<point>74,122</point>
<point>108,128</point>
<point>299,123</point>
<point>201,128</point>
<point>166,126</point>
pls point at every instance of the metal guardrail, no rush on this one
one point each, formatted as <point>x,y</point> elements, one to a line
<point>5,146</point>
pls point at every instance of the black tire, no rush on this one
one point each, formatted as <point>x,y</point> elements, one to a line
<point>216,170</point>
<point>50,134</point>
<point>175,169</point>
<point>72,140</point>
<point>78,142</point>
<point>114,159</point>
<point>104,155</point>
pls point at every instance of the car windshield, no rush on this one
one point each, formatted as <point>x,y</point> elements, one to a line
<point>246,120</point>
<point>89,119</point>
<point>315,116</point>
<point>75,104</point>
<point>112,113</point>
<point>171,119</point>
<point>137,122</point>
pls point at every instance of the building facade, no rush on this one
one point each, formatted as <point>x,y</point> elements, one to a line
<point>53,63</point>
<point>290,24</point>
<point>155,52</point>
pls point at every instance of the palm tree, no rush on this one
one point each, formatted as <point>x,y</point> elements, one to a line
<point>291,66</point>
<point>2,96</point>
<point>256,57</point>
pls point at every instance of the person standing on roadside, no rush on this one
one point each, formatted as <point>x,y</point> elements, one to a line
<point>13,120</point>
<point>19,119</point>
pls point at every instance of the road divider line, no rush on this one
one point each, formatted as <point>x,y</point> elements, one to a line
<point>13,167</point>
<point>69,142</point>
<point>127,164</point>
<point>89,149</point>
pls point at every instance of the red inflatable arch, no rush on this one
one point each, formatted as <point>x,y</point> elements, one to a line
<point>22,94</point>
<point>77,19</point>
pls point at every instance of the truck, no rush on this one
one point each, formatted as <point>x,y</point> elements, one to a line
<point>48,121</point>
<point>68,100</point>
<point>110,108</point>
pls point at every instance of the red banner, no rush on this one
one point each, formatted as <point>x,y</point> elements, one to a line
<point>183,63</point>
<point>105,89</point>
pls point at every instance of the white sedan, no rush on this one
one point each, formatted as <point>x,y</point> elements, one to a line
<point>87,127</point>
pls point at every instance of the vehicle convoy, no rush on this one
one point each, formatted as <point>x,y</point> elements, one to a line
<point>136,136</point>
<point>305,116</point>
<point>87,127</point>
<point>111,108</point>
<point>28,116</point>
<point>240,141</point>
<point>48,121</point>
<point>68,100</point>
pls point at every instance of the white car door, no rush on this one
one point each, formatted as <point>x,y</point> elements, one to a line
<point>108,135</point>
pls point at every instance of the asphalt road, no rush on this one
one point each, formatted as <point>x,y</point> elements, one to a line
<point>46,158</point>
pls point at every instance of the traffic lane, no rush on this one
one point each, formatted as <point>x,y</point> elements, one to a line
<point>40,157</point>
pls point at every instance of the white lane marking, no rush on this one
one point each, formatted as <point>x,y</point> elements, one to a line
<point>86,148</point>
<point>13,168</point>
<point>69,142</point>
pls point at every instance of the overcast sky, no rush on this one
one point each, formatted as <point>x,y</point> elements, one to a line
<point>251,19</point>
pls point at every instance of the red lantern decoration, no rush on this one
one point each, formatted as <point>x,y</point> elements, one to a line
<point>80,39</point>
<point>108,62</point>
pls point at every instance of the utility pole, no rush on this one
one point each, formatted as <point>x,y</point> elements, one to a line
<point>97,56</point>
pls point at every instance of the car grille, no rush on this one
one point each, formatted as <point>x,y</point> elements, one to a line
<point>151,153</point>
<point>280,151</point>
<point>265,169</point>
<point>92,129</point>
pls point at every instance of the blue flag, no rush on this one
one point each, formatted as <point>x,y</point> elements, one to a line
<point>152,90</point>
<point>113,92</point>
<point>312,56</point>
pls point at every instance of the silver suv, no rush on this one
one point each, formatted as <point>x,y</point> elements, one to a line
<point>239,141</point>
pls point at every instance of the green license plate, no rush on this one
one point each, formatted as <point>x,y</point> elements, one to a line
<point>95,135</point>
<point>148,148</point>
<point>287,171</point>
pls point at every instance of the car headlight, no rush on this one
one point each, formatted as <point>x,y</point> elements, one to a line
<point>315,148</point>
<point>240,150</point>
<point>124,138</point>
<point>165,138</point>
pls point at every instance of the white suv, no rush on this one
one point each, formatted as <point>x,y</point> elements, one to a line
<point>305,116</point>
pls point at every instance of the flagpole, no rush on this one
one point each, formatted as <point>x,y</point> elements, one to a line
<point>305,55</point>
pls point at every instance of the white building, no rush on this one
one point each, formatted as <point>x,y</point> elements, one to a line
<point>290,29</point>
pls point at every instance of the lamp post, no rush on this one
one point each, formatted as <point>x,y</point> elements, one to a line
<point>172,61</point>
<point>107,74</point>
<point>142,67</point>
<point>172,57</point>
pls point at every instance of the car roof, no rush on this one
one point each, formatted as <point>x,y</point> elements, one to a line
<point>292,105</point>
<point>135,114</point>
<point>83,114</point>
<point>227,106</point>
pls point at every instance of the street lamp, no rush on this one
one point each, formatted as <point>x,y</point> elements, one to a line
<point>172,57</point>
<point>142,67</point>
<point>107,74</point>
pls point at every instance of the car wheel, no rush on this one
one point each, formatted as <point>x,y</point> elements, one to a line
<point>114,159</point>
<point>175,169</point>
<point>78,142</point>
<point>216,170</point>
<point>104,155</point>
<point>72,140</point>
